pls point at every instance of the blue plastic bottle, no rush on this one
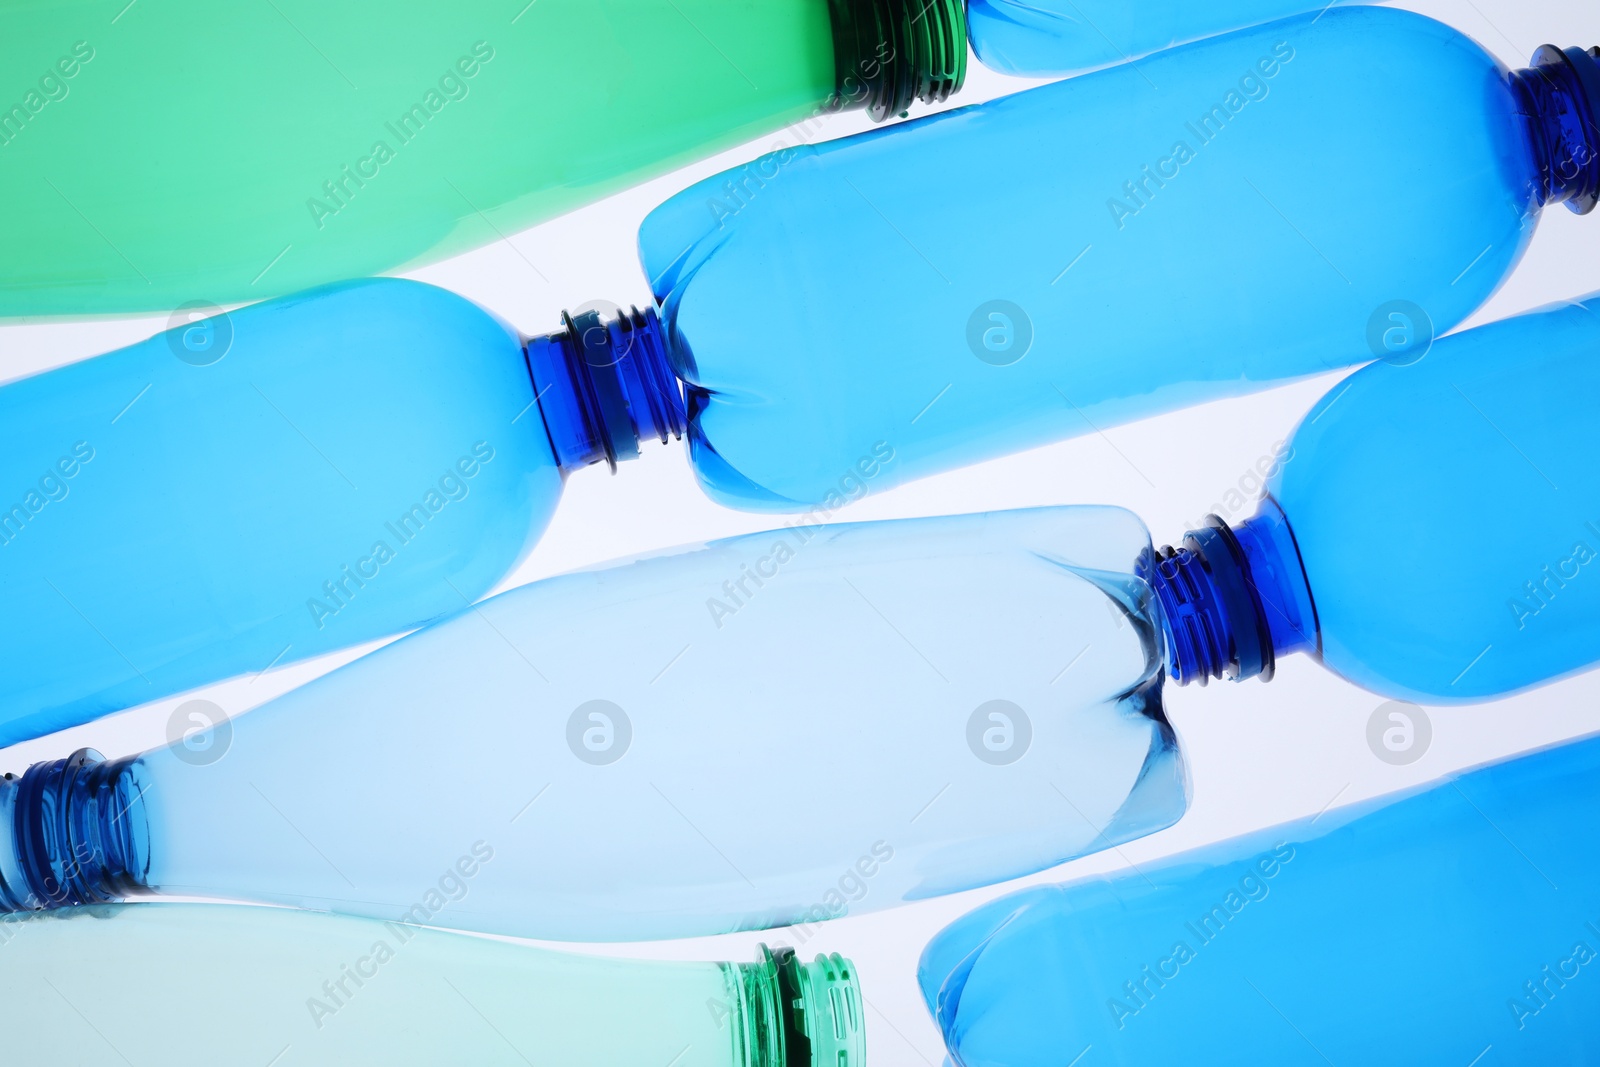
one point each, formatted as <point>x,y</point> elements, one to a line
<point>1455,924</point>
<point>299,476</point>
<point>1222,216</point>
<point>1431,534</point>
<point>1059,37</point>
<point>959,701</point>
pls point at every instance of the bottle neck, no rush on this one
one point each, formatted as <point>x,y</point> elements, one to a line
<point>603,386</point>
<point>888,53</point>
<point>793,1014</point>
<point>1560,96</point>
<point>73,831</point>
<point>1233,600</point>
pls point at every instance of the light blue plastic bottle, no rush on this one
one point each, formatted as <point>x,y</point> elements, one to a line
<point>1220,217</point>
<point>299,476</point>
<point>1455,924</point>
<point>1035,38</point>
<point>775,729</point>
<point>193,985</point>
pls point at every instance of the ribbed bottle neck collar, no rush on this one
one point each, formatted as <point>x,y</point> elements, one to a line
<point>605,384</point>
<point>73,831</point>
<point>1233,599</point>
<point>1560,94</point>
<point>889,53</point>
<point>794,1014</point>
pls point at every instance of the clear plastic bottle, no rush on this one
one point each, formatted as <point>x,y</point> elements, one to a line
<point>1429,928</point>
<point>210,984</point>
<point>774,729</point>
<point>363,137</point>
<point>299,476</point>
<point>1219,217</point>
<point>1035,38</point>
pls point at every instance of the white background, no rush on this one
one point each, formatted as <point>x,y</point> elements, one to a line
<point>1258,754</point>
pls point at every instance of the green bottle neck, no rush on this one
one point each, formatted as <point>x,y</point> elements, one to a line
<point>793,1014</point>
<point>889,53</point>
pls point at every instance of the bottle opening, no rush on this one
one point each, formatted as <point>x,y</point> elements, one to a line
<point>888,53</point>
<point>1561,97</point>
<point>73,831</point>
<point>603,385</point>
<point>1233,600</point>
<point>800,1014</point>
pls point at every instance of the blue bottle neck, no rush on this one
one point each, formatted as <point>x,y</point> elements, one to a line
<point>1560,96</point>
<point>73,831</point>
<point>604,386</point>
<point>1233,599</point>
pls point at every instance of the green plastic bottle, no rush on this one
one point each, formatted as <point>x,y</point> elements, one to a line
<point>179,152</point>
<point>196,985</point>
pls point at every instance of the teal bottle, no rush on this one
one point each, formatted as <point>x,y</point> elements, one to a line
<point>194,985</point>
<point>280,146</point>
<point>1455,924</point>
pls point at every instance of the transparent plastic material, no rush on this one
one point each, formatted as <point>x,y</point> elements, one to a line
<point>1430,532</point>
<point>773,729</point>
<point>299,476</point>
<point>1220,217</point>
<point>1036,38</point>
<point>1425,929</point>
<point>201,985</point>
<point>1475,583</point>
<point>284,145</point>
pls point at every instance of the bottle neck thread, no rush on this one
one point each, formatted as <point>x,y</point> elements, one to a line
<point>1232,600</point>
<point>73,831</point>
<point>1560,94</point>
<point>794,1014</point>
<point>605,385</point>
<point>888,53</point>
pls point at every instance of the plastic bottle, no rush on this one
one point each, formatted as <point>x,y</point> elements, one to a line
<point>362,137</point>
<point>1205,223</point>
<point>1429,531</point>
<point>303,475</point>
<point>613,735</point>
<point>1035,38</point>
<point>943,646</point>
<point>1430,928</point>
<point>201,985</point>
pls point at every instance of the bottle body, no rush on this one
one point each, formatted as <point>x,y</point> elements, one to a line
<point>436,129</point>
<point>1036,38</point>
<point>965,700</point>
<point>1234,940</point>
<point>296,477</point>
<point>203,984</point>
<point>1445,521</point>
<point>1093,251</point>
